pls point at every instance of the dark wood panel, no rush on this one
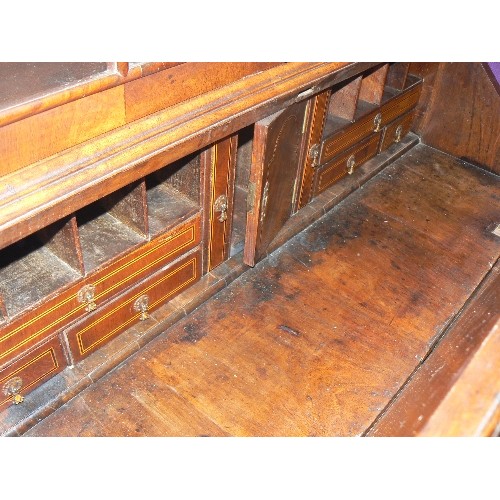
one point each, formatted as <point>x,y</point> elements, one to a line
<point>461,113</point>
<point>276,155</point>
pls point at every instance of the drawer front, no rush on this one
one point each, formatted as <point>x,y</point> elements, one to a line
<point>20,334</point>
<point>401,104</point>
<point>142,262</point>
<point>349,136</point>
<point>30,371</point>
<point>120,314</point>
<point>329,173</point>
<point>396,130</point>
<point>371,122</point>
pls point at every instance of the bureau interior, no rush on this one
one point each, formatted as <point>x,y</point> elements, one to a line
<point>37,266</point>
<point>174,193</point>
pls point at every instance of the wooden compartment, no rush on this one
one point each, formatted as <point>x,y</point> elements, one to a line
<point>134,305</point>
<point>110,227</point>
<point>30,371</point>
<point>174,193</point>
<point>38,266</point>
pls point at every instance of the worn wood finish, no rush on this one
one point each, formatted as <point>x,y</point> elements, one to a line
<point>181,83</point>
<point>459,114</point>
<point>44,134</point>
<point>415,405</point>
<point>275,167</point>
<point>222,160</point>
<point>319,337</point>
<point>53,188</point>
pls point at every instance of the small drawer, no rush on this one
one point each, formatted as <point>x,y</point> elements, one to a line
<point>87,294</point>
<point>32,327</point>
<point>350,135</point>
<point>371,122</point>
<point>396,130</point>
<point>402,103</point>
<point>107,322</point>
<point>136,265</point>
<point>344,164</point>
<point>30,371</point>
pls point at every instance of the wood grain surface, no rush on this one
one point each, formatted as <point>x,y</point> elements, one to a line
<point>318,338</point>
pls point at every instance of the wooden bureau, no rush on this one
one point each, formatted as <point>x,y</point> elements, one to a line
<point>120,193</point>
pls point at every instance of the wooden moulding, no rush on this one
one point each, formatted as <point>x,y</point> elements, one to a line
<point>41,193</point>
<point>117,74</point>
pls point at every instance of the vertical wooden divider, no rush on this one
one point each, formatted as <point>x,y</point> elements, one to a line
<point>372,85</point>
<point>343,102</point>
<point>218,163</point>
<point>396,76</point>
<point>3,310</point>
<point>129,205</point>
<point>63,240</point>
<point>317,111</point>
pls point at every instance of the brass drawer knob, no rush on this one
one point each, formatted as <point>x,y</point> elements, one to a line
<point>314,155</point>
<point>221,206</point>
<point>86,295</point>
<point>142,305</point>
<point>351,163</point>
<point>12,388</point>
<point>377,121</point>
<point>398,133</point>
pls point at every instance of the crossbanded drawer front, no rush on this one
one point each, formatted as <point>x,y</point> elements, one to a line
<point>396,130</point>
<point>123,312</point>
<point>401,104</point>
<point>371,122</point>
<point>130,269</point>
<point>32,327</point>
<point>326,175</point>
<point>30,371</point>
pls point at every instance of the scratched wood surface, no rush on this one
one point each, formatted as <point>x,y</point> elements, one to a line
<point>317,338</point>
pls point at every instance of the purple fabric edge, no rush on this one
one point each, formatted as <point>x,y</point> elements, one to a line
<point>495,69</point>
